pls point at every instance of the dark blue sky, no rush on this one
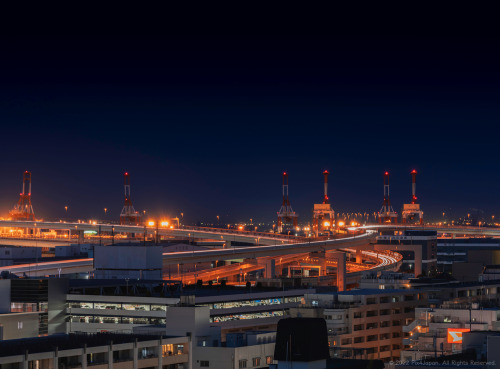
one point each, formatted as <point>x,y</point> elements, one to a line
<point>206,124</point>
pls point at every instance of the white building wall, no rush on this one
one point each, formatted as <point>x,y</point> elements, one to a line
<point>229,357</point>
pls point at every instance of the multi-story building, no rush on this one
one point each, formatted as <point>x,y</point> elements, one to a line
<point>251,349</point>
<point>439,331</point>
<point>418,247</point>
<point>94,306</point>
<point>25,301</point>
<point>99,351</point>
<point>385,280</point>
<point>462,250</point>
<point>438,290</point>
<point>365,323</point>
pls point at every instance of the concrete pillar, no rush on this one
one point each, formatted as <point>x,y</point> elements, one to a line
<point>190,353</point>
<point>84,357</point>
<point>359,256</point>
<point>110,355</point>
<point>417,249</point>
<point>25,360</point>
<point>322,265</point>
<point>56,358</point>
<point>340,258</point>
<point>269,267</point>
<point>79,232</point>
<point>135,355</point>
<point>228,244</point>
<point>160,354</point>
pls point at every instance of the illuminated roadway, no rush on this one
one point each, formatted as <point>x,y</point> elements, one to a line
<point>51,267</point>
<point>252,252</point>
<point>482,231</point>
<point>257,238</point>
<point>383,260</point>
<point>220,234</point>
<point>269,244</point>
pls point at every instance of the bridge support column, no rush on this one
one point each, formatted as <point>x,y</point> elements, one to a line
<point>359,256</point>
<point>340,258</point>
<point>228,244</point>
<point>79,232</point>
<point>269,267</point>
<point>322,265</point>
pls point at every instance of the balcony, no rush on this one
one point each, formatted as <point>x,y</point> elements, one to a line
<point>146,363</point>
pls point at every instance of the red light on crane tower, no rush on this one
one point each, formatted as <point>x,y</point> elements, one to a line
<point>23,210</point>
<point>128,214</point>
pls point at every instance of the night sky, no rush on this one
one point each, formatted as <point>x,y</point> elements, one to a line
<point>207,124</point>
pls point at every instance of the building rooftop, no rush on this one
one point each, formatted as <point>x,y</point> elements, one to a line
<point>374,291</point>
<point>155,288</point>
<point>69,341</point>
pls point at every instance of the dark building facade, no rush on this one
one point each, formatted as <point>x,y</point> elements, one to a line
<point>405,241</point>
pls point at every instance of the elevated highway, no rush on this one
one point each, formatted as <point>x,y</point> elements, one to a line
<point>267,244</point>
<point>252,252</point>
<point>459,230</point>
<point>220,234</point>
<point>59,267</point>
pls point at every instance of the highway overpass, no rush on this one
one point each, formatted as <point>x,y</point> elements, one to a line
<point>220,234</point>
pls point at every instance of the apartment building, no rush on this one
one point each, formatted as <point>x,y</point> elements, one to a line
<point>439,331</point>
<point>365,323</point>
<point>99,351</point>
